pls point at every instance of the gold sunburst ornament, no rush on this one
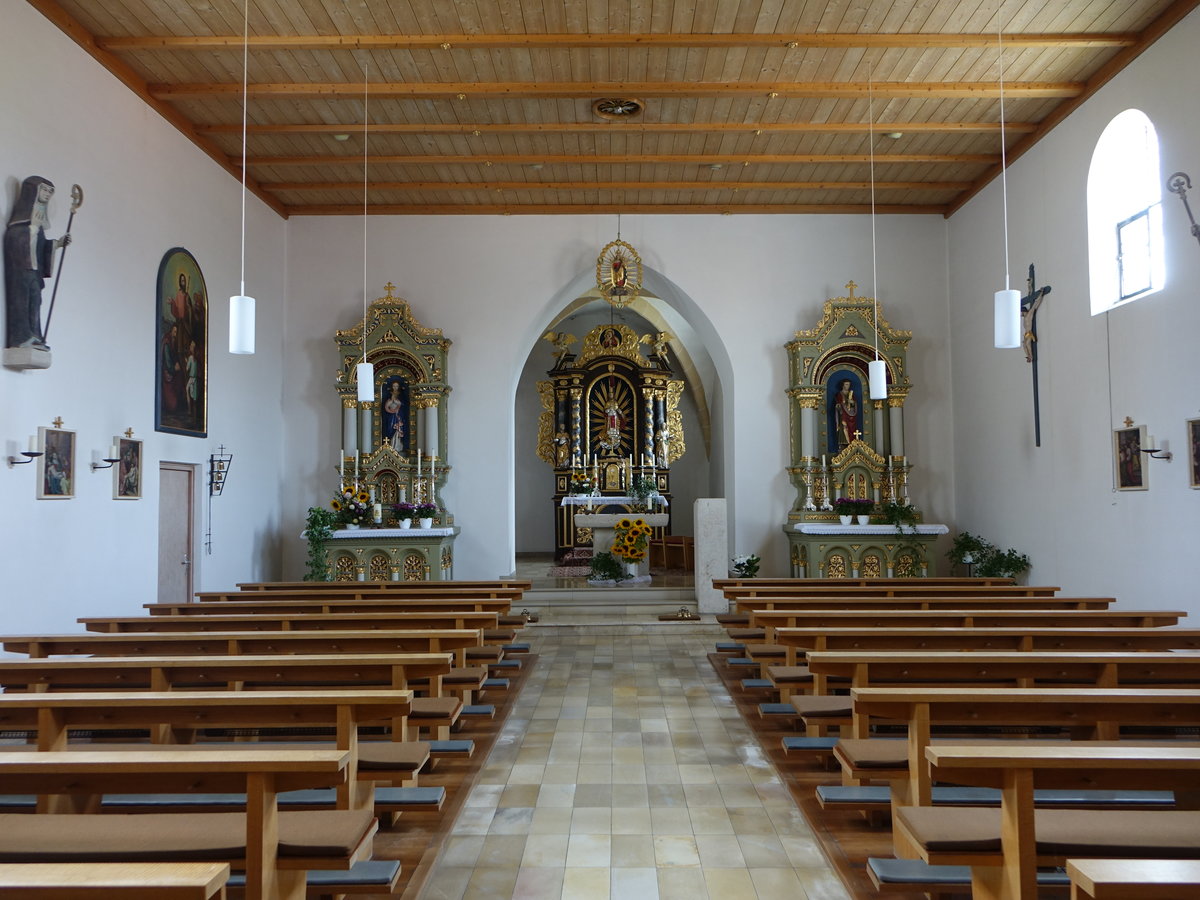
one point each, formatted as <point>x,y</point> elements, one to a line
<point>619,273</point>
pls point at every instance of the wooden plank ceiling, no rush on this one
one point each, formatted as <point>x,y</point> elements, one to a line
<point>486,106</point>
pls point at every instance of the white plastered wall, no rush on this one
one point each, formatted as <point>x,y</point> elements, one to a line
<point>147,189</point>
<point>1057,502</point>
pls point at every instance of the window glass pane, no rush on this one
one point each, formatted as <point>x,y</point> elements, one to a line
<point>1133,239</point>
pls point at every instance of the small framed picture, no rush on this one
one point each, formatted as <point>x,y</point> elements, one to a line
<point>127,471</point>
<point>1130,468</point>
<point>56,465</point>
<point>1193,448</point>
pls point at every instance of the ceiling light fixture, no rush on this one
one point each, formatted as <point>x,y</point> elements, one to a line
<point>241,307</point>
<point>365,372</point>
<point>1007,301</point>
<point>876,368</point>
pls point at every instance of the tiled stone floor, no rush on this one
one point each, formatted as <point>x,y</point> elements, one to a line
<point>626,772</point>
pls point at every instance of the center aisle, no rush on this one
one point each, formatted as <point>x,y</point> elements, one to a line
<point>626,771</point>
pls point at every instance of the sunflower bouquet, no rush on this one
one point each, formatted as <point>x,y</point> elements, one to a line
<point>630,537</point>
<point>352,507</point>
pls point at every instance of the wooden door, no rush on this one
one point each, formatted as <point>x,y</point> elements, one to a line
<point>176,532</point>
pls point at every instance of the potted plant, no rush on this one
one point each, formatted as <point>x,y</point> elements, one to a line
<point>353,507</point>
<point>581,483</point>
<point>988,560</point>
<point>630,537</point>
<point>318,528</point>
<point>642,490</point>
<point>968,550</point>
<point>404,514</point>
<point>425,513</point>
<point>604,567</point>
<point>848,508</point>
<point>745,566</point>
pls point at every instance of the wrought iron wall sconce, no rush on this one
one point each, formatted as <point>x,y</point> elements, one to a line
<point>218,468</point>
<point>1179,184</point>
<point>106,462</point>
<point>1160,452</point>
<point>30,455</point>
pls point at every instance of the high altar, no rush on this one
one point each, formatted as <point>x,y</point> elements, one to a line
<point>395,446</point>
<point>843,444</point>
<point>609,416</point>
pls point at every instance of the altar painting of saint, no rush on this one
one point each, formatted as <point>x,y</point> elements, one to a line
<point>844,409</point>
<point>393,413</point>
<point>181,387</point>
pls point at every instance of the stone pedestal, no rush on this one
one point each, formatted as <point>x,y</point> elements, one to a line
<point>26,358</point>
<point>712,553</point>
<point>602,525</point>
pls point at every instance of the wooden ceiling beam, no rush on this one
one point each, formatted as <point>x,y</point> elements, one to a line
<point>132,80</point>
<point>1171,17</point>
<point>625,127</point>
<point>579,209</point>
<point>569,89</point>
<point>300,186</point>
<point>618,159</point>
<point>201,43</point>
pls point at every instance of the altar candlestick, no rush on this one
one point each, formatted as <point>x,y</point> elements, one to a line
<point>378,511</point>
<point>341,467</point>
<point>823,460</point>
<point>418,464</point>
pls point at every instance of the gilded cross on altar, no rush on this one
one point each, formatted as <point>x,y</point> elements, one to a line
<point>129,432</point>
<point>1128,422</point>
<point>850,286</point>
<point>58,422</point>
<point>857,435</point>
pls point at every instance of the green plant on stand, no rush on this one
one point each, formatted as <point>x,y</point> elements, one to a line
<point>605,568</point>
<point>988,560</point>
<point>641,490</point>
<point>904,518</point>
<point>318,529</point>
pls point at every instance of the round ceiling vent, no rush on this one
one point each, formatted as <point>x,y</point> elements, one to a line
<point>617,108</point>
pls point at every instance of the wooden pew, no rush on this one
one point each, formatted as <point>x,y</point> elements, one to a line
<point>749,605</point>
<point>103,881</point>
<point>1017,770</point>
<point>279,602</point>
<point>456,619</point>
<point>905,668</point>
<point>172,717</point>
<point>236,643</point>
<point>260,774</point>
<point>1100,710</point>
<point>393,587</point>
<point>762,589</point>
<point>1133,879</point>
<point>803,640</point>
<point>836,583</point>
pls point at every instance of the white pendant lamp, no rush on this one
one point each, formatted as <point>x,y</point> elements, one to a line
<point>876,368</point>
<point>241,307</point>
<point>1008,301</point>
<point>365,372</point>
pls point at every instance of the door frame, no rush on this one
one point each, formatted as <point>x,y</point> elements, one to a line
<point>192,470</point>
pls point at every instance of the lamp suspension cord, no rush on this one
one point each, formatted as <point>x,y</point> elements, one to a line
<point>1003,142</point>
<point>245,107</point>
<point>366,81</point>
<point>871,138</point>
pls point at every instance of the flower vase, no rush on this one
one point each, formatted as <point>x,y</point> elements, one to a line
<point>864,520</point>
<point>847,520</point>
<point>352,526</point>
<point>426,522</point>
<point>404,523</point>
<point>631,570</point>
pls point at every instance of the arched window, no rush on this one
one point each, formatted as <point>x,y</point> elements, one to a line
<point>1124,208</point>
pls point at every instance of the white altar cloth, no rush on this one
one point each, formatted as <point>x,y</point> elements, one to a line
<point>343,533</point>
<point>838,528</point>
<point>601,500</point>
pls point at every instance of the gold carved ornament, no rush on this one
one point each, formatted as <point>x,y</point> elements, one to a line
<point>447,560</point>
<point>343,568</point>
<point>545,437</point>
<point>871,566</point>
<point>619,273</point>
<point>837,566</point>
<point>380,568</point>
<point>414,567</point>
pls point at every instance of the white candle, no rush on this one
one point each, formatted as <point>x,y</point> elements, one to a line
<point>356,471</point>
<point>378,510</point>
<point>822,460</point>
<point>32,444</point>
<point>112,451</point>
<point>342,466</point>
<point>403,494</point>
<point>418,463</point>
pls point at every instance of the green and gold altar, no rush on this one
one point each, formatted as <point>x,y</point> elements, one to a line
<point>395,447</point>
<point>610,426</point>
<point>843,444</point>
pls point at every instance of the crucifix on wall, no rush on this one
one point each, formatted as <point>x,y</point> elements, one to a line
<point>1030,304</point>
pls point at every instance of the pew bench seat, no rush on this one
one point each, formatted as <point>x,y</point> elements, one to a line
<point>329,839</point>
<point>1134,879</point>
<point>387,800</point>
<point>971,835</point>
<point>908,876</point>
<point>371,876</point>
<point>101,881</point>
<point>878,798</point>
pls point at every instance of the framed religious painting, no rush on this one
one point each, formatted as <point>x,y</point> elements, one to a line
<point>1130,468</point>
<point>1193,450</point>
<point>56,465</point>
<point>127,470</point>
<point>181,369</point>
